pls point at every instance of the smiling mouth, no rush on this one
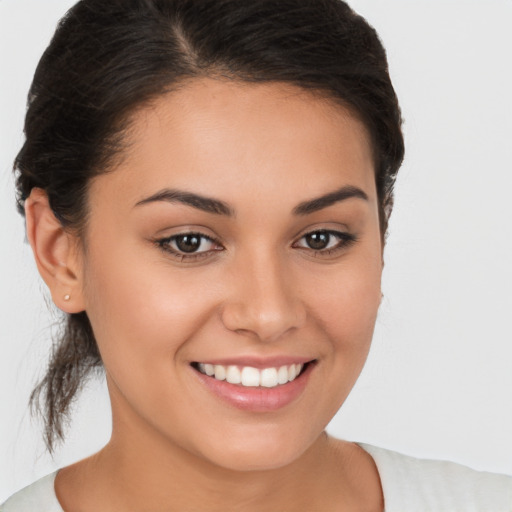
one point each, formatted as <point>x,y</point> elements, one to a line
<point>249,376</point>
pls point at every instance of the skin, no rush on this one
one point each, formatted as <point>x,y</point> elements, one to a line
<point>260,290</point>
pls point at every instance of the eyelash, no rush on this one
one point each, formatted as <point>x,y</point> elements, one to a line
<point>164,245</point>
<point>345,240</point>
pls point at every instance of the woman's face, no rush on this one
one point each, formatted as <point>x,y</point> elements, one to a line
<point>239,234</point>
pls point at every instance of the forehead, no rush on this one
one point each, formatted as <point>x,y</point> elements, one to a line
<point>222,137</point>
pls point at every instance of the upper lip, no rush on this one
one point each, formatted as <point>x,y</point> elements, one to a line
<point>258,361</point>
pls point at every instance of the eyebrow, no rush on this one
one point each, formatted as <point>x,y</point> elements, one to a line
<point>211,205</point>
<point>319,203</point>
<point>207,204</point>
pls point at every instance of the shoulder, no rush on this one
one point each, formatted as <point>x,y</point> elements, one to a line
<point>409,483</point>
<point>37,497</point>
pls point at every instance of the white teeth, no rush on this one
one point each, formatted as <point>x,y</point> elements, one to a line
<point>269,378</point>
<point>233,375</point>
<point>282,375</point>
<point>220,372</point>
<point>252,377</point>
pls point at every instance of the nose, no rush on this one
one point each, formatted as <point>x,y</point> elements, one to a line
<point>264,300</point>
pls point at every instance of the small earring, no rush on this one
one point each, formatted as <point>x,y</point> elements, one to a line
<point>67,297</point>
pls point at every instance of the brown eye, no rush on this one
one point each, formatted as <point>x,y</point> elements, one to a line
<point>318,240</point>
<point>325,243</point>
<point>188,243</point>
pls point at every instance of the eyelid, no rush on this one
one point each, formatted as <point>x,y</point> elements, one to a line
<point>345,238</point>
<point>163,244</point>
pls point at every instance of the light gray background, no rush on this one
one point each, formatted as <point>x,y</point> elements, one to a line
<point>438,382</point>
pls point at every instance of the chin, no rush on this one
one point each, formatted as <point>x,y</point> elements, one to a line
<point>261,452</point>
<point>255,461</point>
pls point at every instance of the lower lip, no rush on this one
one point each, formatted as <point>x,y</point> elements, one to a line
<point>257,399</point>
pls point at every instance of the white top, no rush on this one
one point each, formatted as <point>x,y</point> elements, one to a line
<point>409,485</point>
<point>419,485</point>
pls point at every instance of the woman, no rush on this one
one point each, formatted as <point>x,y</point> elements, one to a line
<point>207,187</point>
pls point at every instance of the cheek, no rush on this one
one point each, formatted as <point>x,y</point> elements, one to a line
<point>346,315</point>
<point>141,311</point>
<point>346,303</point>
<point>346,312</point>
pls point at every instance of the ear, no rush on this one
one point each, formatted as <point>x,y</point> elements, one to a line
<point>56,252</point>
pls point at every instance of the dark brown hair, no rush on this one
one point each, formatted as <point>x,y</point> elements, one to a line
<point>108,58</point>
